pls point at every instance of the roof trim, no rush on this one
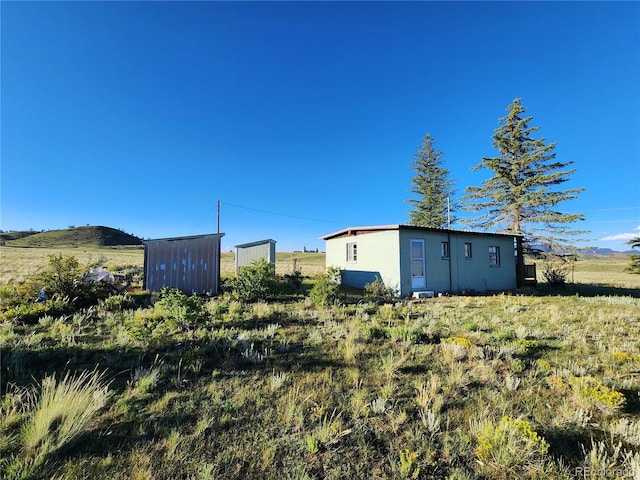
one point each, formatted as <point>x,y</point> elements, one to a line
<point>354,231</point>
<point>253,244</point>
<point>191,237</point>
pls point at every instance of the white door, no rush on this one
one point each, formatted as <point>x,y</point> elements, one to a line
<point>418,279</point>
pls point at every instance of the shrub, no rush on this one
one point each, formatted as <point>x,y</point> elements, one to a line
<point>327,287</point>
<point>65,278</point>
<point>509,448</point>
<point>605,398</point>
<point>186,311</point>
<point>30,313</point>
<point>295,279</point>
<point>119,302</point>
<point>556,270</point>
<point>377,288</point>
<point>254,282</point>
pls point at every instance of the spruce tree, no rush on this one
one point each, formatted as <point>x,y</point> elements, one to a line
<point>432,187</point>
<point>635,259</point>
<point>522,195</point>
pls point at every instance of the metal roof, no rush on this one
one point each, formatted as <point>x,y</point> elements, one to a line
<point>253,244</point>
<point>353,231</point>
<point>191,237</point>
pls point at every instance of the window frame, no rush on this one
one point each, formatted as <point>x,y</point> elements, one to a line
<point>468,250</point>
<point>494,256</point>
<point>352,252</point>
<point>445,251</point>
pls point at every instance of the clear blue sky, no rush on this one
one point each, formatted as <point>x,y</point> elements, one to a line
<point>303,118</point>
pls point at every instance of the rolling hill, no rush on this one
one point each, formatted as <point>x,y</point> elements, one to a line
<point>97,236</point>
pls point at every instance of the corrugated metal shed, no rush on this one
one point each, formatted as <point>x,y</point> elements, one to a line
<point>190,264</point>
<point>248,252</point>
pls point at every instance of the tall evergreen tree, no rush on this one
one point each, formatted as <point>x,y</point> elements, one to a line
<point>522,195</point>
<point>432,186</point>
<point>635,259</point>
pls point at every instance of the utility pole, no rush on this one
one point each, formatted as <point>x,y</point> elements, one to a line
<point>219,248</point>
<point>218,217</point>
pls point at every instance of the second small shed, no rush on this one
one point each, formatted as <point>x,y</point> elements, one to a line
<point>248,252</point>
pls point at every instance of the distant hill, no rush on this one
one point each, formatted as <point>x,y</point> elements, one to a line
<point>75,237</point>
<point>8,236</point>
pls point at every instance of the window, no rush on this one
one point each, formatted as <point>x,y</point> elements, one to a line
<point>352,252</point>
<point>445,249</point>
<point>467,250</point>
<point>494,256</point>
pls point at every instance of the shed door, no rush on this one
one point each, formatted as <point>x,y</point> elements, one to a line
<point>418,279</point>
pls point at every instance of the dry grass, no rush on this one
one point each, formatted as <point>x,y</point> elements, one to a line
<point>17,264</point>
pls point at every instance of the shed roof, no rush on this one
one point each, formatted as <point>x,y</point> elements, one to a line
<point>253,244</point>
<point>191,237</point>
<point>354,231</point>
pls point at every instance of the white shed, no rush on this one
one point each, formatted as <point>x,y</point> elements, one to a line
<point>248,252</point>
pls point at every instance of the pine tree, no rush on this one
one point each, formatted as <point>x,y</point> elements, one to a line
<point>432,186</point>
<point>635,259</point>
<point>522,196</point>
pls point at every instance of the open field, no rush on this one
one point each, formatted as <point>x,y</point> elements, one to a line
<point>18,263</point>
<point>503,386</point>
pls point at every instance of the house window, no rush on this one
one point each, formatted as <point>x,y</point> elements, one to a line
<point>445,249</point>
<point>352,252</point>
<point>494,256</point>
<point>467,250</point>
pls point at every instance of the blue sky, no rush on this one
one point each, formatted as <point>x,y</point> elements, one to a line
<point>303,118</point>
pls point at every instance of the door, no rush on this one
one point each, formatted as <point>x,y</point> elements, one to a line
<point>418,279</point>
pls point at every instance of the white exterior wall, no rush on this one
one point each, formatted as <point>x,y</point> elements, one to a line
<point>378,256</point>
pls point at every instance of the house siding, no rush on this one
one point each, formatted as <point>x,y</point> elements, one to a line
<point>457,273</point>
<point>377,257</point>
<point>384,252</point>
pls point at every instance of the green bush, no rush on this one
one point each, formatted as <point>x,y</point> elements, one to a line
<point>327,287</point>
<point>377,288</point>
<point>30,313</point>
<point>187,311</point>
<point>555,274</point>
<point>64,277</point>
<point>254,282</point>
<point>295,279</point>
<point>118,302</point>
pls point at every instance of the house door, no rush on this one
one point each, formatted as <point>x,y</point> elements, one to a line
<point>418,279</point>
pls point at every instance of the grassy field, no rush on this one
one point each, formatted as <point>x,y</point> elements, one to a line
<point>18,263</point>
<point>535,384</point>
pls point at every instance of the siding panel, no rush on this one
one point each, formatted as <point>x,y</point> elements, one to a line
<point>190,264</point>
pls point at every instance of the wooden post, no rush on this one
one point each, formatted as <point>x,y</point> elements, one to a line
<point>520,275</point>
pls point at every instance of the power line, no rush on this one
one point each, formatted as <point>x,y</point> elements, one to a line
<point>283,214</point>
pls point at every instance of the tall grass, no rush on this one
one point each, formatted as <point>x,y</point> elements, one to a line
<point>64,411</point>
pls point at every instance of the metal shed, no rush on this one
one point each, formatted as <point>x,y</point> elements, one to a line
<point>190,264</point>
<point>248,252</point>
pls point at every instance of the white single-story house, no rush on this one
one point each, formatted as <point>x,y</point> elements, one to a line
<point>416,259</point>
<point>248,252</point>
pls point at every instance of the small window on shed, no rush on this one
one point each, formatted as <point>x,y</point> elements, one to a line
<point>352,252</point>
<point>494,256</point>
<point>445,249</point>
<point>467,250</point>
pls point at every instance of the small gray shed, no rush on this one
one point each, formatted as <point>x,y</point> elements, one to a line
<point>248,252</point>
<point>190,264</point>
